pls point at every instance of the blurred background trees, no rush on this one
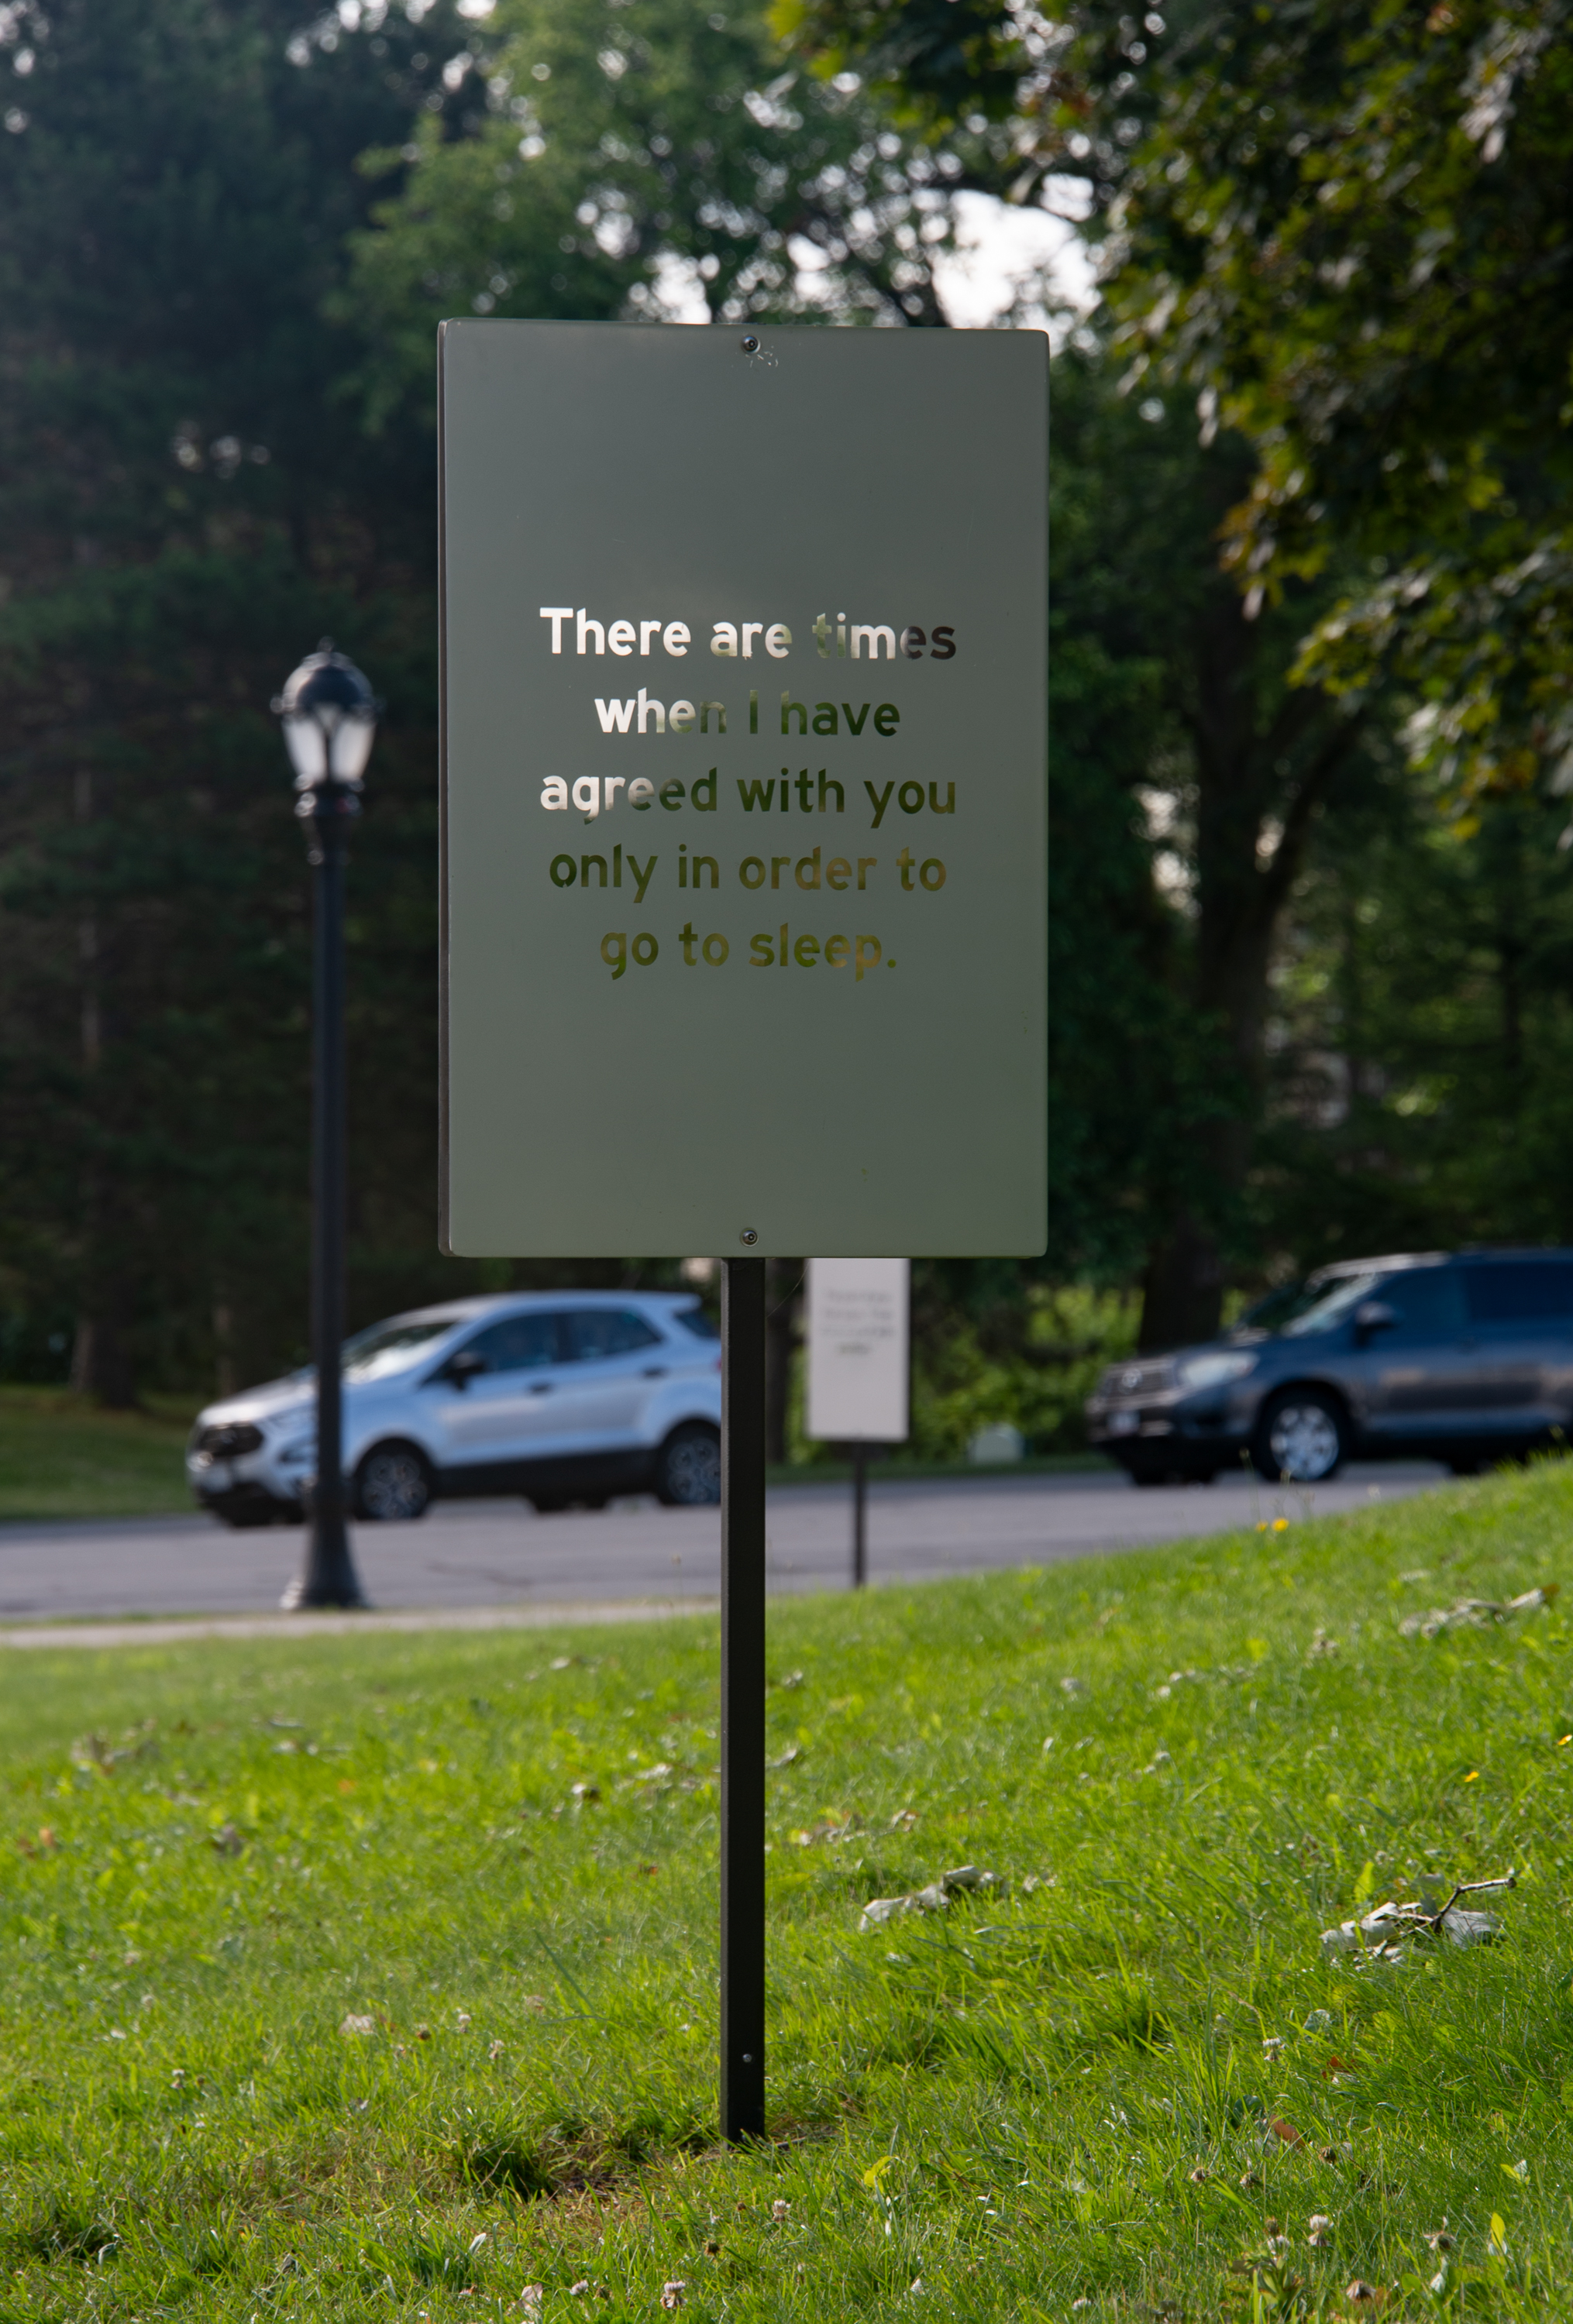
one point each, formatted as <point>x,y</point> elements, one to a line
<point>1312,942</point>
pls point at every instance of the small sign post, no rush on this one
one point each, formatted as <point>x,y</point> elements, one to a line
<point>744,847</point>
<point>858,1369</point>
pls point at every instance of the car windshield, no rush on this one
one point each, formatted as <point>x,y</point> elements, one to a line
<point>695,1320</point>
<point>1304,1307</point>
<point>388,1347</point>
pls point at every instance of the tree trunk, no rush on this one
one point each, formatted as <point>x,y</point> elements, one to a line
<point>1259,782</point>
<point>101,1363</point>
<point>100,1356</point>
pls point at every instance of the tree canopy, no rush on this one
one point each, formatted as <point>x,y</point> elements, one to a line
<point>1345,231</point>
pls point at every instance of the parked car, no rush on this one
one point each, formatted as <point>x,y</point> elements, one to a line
<point>1461,1357</point>
<point>558,1396</point>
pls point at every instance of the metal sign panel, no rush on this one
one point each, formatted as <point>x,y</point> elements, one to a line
<point>858,1365</point>
<point>743,823</point>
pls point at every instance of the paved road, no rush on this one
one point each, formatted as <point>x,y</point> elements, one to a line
<point>472,1555</point>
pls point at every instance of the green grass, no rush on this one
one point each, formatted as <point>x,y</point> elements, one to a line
<point>1060,2096</point>
<point>62,1457</point>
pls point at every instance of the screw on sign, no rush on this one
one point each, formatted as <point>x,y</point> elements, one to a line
<point>622,674</point>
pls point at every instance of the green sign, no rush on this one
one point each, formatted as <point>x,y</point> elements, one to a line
<point>743,830</point>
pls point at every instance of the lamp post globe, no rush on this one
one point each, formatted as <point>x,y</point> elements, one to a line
<point>330,718</point>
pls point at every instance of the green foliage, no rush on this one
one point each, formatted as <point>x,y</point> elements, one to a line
<point>624,164</point>
<point>1347,228</point>
<point>186,507</point>
<point>1344,230</point>
<point>375,1976</point>
<point>1420,1092</point>
<point>1030,1363</point>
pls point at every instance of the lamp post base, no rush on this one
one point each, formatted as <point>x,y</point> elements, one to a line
<point>328,1576</point>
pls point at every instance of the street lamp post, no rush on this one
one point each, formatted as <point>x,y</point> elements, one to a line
<point>329,717</point>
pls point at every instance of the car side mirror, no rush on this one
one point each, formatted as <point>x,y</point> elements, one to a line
<point>1372,1315</point>
<point>463,1366</point>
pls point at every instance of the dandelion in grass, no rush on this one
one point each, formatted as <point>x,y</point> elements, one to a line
<point>673,2294</point>
<point>1318,2230</point>
<point>781,2209</point>
<point>462,2020</point>
<point>496,2050</point>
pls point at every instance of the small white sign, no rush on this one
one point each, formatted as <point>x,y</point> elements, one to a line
<point>859,1350</point>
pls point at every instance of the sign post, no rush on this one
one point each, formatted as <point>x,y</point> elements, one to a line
<point>743,1698</point>
<point>859,1368</point>
<point>744,846</point>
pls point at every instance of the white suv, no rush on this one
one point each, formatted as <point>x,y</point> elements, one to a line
<point>562,1397</point>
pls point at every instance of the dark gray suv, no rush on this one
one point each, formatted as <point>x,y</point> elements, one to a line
<point>1461,1357</point>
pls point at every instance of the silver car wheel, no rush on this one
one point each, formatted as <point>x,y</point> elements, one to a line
<point>1304,1442</point>
<point>691,1469</point>
<point>392,1485</point>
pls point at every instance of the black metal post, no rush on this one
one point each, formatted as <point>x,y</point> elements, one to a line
<point>328,1576</point>
<point>743,1700</point>
<point>859,1515</point>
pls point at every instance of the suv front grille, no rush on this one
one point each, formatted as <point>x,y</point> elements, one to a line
<point>232,1437</point>
<point>1137,1379</point>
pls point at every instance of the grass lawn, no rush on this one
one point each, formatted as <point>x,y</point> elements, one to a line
<point>376,1979</point>
<point>62,1457</point>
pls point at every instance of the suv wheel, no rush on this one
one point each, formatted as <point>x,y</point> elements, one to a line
<point>393,1484</point>
<point>688,1467</point>
<point>1302,1435</point>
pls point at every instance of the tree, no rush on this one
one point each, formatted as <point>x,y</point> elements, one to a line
<point>661,158</point>
<point>1348,232</point>
<point>186,505</point>
<point>1238,770</point>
